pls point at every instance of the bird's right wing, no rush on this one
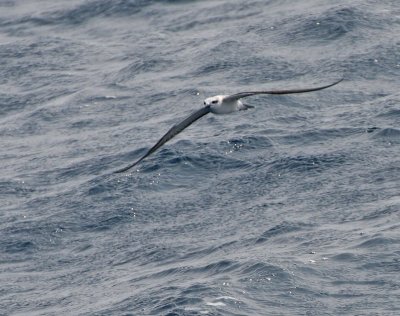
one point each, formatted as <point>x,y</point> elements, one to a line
<point>240,95</point>
<point>175,130</point>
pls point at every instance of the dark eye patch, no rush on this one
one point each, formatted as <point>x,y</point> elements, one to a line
<point>214,102</point>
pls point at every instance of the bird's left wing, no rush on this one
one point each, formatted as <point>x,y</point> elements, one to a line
<point>240,95</point>
<point>175,130</point>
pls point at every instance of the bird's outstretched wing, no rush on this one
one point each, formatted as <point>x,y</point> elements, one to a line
<point>237,96</point>
<point>175,130</point>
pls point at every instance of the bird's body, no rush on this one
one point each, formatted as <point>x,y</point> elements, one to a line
<point>219,104</point>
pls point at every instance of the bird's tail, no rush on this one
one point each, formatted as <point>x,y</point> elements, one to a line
<point>246,107</point>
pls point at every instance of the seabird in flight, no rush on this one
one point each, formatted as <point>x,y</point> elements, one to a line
<point>219,104</point>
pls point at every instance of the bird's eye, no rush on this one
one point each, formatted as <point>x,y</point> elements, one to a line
<point>204,102</point>
<point>214,102</point>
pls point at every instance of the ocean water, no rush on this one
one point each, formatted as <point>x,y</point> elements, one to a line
<point>290,208</point>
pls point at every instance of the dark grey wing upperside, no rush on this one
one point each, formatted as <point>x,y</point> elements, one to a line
<point>175,130</point>
<point>240,95</point>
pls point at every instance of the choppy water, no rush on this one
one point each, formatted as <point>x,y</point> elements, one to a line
<point>291,208</point>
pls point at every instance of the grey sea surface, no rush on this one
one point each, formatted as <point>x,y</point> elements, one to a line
<point>290,208</point>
